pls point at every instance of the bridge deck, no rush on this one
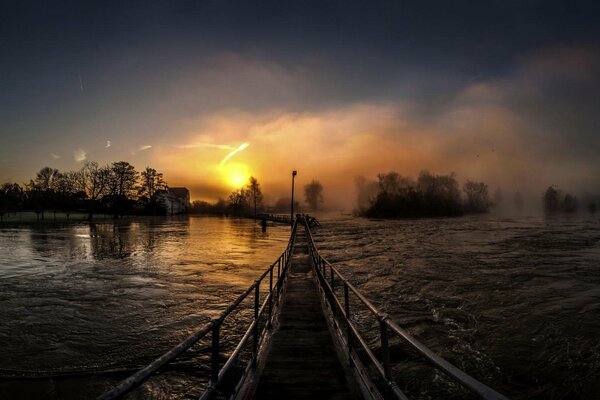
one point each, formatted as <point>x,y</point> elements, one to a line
<point>302,362</point>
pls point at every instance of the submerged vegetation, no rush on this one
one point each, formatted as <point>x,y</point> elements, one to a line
<point>396,196</point>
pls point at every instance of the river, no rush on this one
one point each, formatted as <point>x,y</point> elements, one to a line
<point>513,301</point>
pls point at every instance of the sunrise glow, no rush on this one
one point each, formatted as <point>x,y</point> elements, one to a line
<point>235,175</point>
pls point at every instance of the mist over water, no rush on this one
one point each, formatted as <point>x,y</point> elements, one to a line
<point>513,301</point>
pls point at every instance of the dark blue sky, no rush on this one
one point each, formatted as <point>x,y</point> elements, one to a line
<point>74,74</point>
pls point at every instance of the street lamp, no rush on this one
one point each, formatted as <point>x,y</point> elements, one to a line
<point>294,173</point>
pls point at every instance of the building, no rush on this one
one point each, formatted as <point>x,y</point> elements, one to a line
<point>175,200</point>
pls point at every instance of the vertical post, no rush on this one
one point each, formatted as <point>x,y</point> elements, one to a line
<point>270,295</point>
<point>332,279</point>
<point>214,365</point>
<point>255,344</point>
<point>348,330</point>
<point>294,173</point>
<point>385,355</point>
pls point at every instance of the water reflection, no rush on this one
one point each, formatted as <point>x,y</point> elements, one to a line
<point>96,296</point>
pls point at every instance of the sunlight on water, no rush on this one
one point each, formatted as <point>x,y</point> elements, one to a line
<point>76,298</point>
<point>514,302</point>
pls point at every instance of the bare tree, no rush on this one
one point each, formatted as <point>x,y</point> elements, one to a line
<point>94,181</point>
<point>478,199</point>
<point>238,201</point>
<point>151,183</point>
<point>255,193</point>
<point>122,183</point>
<point>41,189</point>
<point>313,194</point>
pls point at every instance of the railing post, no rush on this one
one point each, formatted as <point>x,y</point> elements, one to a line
<point>348,329</point>
<point>270,296</point>
<point>256,306</point>
<point>385,355</point>
<point>214,365</point>
<point>332,279</point>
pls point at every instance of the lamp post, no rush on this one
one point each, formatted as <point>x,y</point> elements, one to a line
<point>294,173</point>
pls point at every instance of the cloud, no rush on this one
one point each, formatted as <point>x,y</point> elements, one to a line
<point>79,155</point>
<point>55,156</point>
<point>108,144</point>
<point>534,127</point>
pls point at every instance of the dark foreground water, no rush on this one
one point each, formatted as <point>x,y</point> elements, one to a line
<point>77,300</point>
<point>514,302</point>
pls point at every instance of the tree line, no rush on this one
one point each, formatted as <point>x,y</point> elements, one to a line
<point>249,201</point>
<point>397,196</point>
<point>116,188</point>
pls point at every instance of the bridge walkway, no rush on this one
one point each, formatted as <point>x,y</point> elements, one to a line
<point>302,362</point>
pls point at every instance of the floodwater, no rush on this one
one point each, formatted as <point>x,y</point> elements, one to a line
<point>78,299</point>
<point>513,301</point>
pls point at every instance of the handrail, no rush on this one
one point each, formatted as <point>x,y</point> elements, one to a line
<point>354,339</point>
<point>213,326</point>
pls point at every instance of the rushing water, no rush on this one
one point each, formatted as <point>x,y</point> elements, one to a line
<point>513,301</point>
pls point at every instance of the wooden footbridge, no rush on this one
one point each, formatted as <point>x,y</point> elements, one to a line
<point>301,341</point>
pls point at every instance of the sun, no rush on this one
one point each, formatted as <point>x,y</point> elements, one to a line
<point>235,174</point>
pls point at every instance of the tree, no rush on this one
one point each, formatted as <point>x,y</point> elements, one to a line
<point>238,201</point>
<point>551,199</point>
<point>11,198</point>
<point>41,189</point>
<point>313,194</point>
<point>478,199</point>
<point>94,182</point>
<point>255,193</point>
<point>69,186</point>
<point>122,183</point>
<point>151,183</point>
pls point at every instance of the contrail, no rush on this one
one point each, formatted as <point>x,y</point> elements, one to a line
<point>240,148</point>
<point>199,145</point>
<point>108,144</point>
<point>81,83</point>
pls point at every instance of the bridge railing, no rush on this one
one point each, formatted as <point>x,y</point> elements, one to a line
<point>275,276</point>
<point>376,372</point>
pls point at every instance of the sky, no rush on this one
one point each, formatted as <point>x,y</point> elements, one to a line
<point>501,91</point>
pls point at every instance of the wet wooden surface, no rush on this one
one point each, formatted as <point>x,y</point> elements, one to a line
<point>302,362</point>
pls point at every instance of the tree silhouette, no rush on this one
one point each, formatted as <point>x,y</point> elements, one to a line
<point>551,199</point>
<point>151,183</point>
<point>94,181</point>
<point>478,199</point>
<point>122,184</point>
<point>238,201</point>
<point>255,193</point>
<point>313,194</point>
